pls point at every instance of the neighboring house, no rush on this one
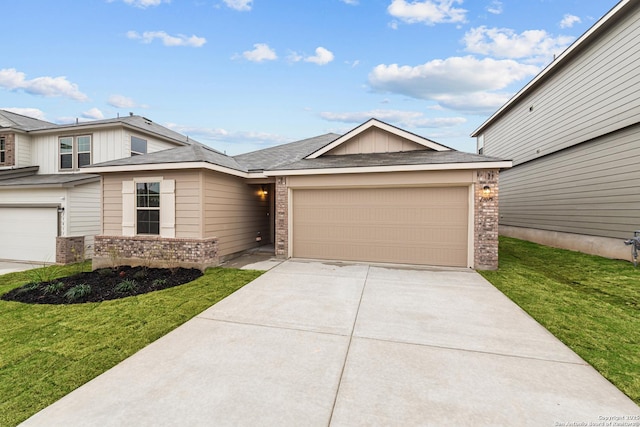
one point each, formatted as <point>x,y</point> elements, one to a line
<point>49,211</point>
<point>573,134</point>
<point>377,193</point>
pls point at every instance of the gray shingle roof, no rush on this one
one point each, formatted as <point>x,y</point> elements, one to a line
<point>387,159</point>
<point>61,180</point>
<point>18,121</point>
<point>270,158</point>
<point>188,154</point>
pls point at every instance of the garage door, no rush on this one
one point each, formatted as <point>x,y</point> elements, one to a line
<point>395,225</point>
<point>29,234</point>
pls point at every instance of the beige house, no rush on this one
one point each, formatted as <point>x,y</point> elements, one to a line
<point>376,194</point>
<point>573,133</point>
<point>49,210</point>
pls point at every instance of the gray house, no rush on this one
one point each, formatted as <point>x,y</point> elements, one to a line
<point>573,134</point>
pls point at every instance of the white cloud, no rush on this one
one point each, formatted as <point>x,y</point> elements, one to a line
<point>350,2</point>
<point>322,56</point>
<point>569,21</point>
<point>428,12</point>
<point>143,4</point>
<point>537,45</point>
<point>14,80</point>
<point>261,52</point>
<point>120,101</point>
<point>29,112</point>
<point>167,40</point>
<point>93,113</point>
<point>241,5</point>
<point>412,119</point>
<point>495,7</point>
<point>458,83</point>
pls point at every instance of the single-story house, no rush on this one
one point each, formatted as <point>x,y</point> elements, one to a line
<point>573,134</point>
<point>377,194</point>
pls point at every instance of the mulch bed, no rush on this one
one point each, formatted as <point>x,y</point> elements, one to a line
<point>102,285</point>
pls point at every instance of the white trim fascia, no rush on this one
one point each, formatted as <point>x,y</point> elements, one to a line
<point>552,66</point>
<point>170,166</point>
<point>381,125</point>
<point>397,168</point>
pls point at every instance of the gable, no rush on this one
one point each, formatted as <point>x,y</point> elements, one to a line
<point>378,137</point>
<point>375,140</point>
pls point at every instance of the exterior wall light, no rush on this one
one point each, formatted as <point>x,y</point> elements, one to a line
<point>264,190</point>
<point>486,192</point>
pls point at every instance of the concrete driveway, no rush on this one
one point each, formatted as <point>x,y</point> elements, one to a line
<point>319,344</point>
<point>14,266</point>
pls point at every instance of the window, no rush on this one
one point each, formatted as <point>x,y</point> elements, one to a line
<point>138,146</point>
<point>3,150</point>
<point>480,141</point>
<point>75,151</point>
<point>148,207</point>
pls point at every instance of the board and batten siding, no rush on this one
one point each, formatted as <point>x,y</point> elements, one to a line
<point>23,150</point>
<point>83,213</point>
<point>590,189</point>
<point>235,212</point>
<point>187,201</point>
<point>375,140</point>
<point>594,94</point>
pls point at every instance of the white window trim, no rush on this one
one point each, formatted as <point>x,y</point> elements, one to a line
<point>74,152</point>
<point>137,153</point>
<point>167,206</point>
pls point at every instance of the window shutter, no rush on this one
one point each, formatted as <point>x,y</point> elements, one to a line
<point>168,208</point>
<point>128,208</point>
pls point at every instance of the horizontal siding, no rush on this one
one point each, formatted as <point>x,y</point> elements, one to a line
<point>591,189</point>
<point>188,210</point>
<point>594,95</point>
<point>234,212</point>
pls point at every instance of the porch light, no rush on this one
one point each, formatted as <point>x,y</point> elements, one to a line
<point>486,192</point>
<point>264,190</point>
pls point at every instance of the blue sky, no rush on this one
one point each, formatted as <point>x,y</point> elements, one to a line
<point>241,75</point>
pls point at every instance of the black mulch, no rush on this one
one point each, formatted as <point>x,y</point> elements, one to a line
<point>102,285</point>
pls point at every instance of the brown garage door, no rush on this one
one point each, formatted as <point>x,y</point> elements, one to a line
<point>396,225</point>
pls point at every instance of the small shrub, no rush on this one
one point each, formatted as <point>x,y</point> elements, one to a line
<point>53,288</point>
<point>159,282</point>
<point>127,286</point>
<point>77,292</point>
<point>44,274</point>
<point>31,286</point>
<point>106,272</point>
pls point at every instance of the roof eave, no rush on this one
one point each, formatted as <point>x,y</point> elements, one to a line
<point>565,56</point>
<point>166,166</point>
<point>504,164</point>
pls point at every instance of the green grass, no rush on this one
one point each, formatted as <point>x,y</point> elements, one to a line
<point>592,304</point>
<point>46,351</point>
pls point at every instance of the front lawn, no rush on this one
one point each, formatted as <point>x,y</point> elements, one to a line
<point>46,351</point>
<point>592,304</point>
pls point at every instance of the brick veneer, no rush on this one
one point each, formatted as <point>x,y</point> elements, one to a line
<point>69,249</point>
<point>486,221</point>
<point>155,251</point>
<point>282,217</point>
<point>10,149</point>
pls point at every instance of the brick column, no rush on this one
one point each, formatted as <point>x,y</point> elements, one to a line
<point>486,221</point>
<point>69,249</point>
<point>10,149</point>
<point>282,217</point>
